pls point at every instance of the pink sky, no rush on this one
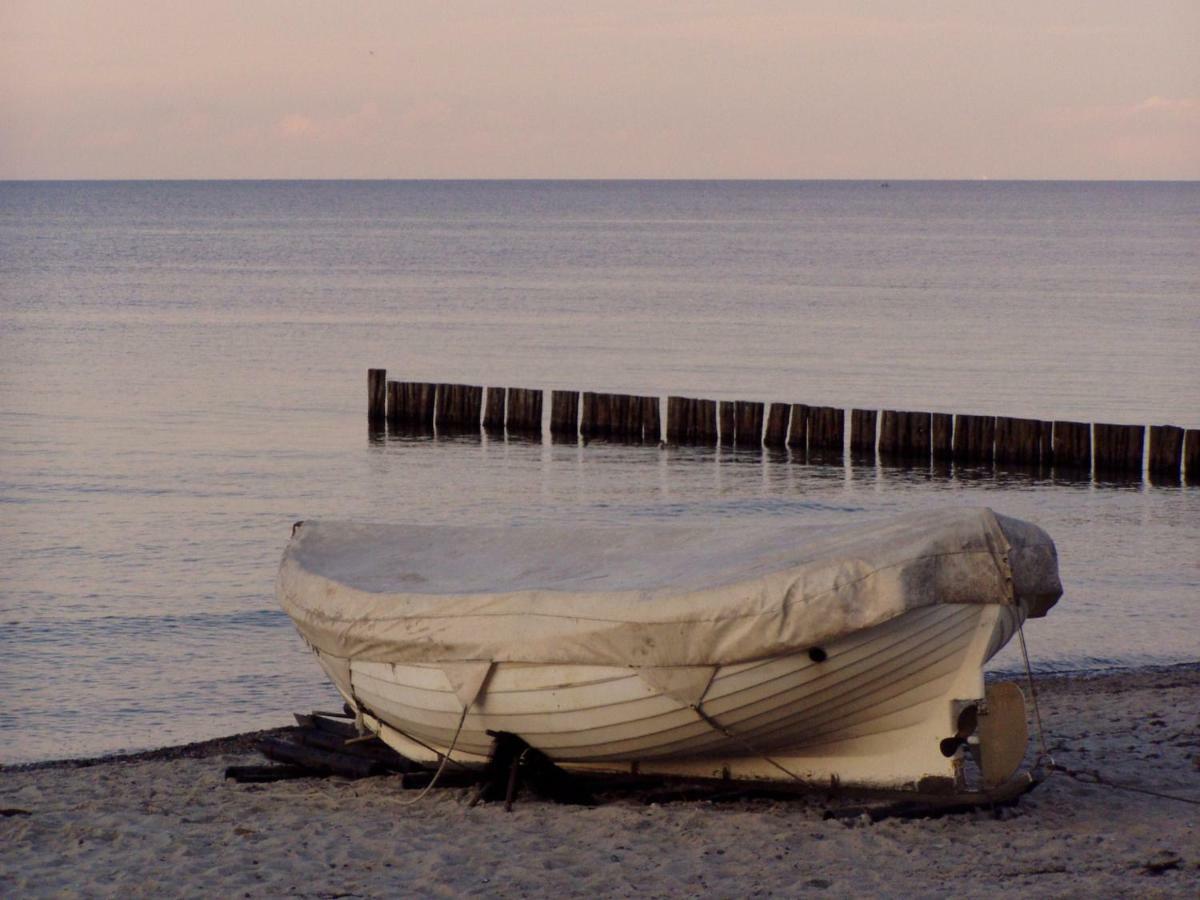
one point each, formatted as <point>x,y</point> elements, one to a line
<point>307,89</point>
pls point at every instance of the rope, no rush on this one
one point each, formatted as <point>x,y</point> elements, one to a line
<point>1091,776</point>
<point>717,726</point>
<point>1085,776</point>
<point>1037,713</point>
<point>441,767</point>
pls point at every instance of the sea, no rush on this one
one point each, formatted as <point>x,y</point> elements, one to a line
<point>183,376</point>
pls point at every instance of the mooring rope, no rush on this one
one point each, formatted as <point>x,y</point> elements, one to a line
<point>717,726</point>
<point>1037,713</point>
<point>1084,776</point>
<point>441,767</point>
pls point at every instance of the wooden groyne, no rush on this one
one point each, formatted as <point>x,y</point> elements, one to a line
<point>1167,454</point>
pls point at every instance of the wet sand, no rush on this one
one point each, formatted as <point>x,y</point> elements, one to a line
<point>167,823</point>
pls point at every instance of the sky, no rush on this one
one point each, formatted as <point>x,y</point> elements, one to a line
<point>647,89</point>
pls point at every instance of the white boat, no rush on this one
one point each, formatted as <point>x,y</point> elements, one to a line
<point>769,651</point>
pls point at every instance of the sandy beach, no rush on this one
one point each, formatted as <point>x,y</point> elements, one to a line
<point>168,823</point>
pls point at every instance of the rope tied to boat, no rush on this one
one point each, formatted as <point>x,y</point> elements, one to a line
<point>717,726</point>
<point>441,766</point>
<point>1084,776</point>
<point>1044,756</point>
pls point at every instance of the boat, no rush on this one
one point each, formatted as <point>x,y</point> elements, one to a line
<point>765,651</point>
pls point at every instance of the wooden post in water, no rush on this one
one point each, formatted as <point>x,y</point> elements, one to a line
<point>525,411</point>
<point>394,402</point>
<point>410,404</point>
<point>941,427</point>
<point>594,421</point>
<point>749,427</point>
<point>798,429</point>
<point>1166,453</point>
<point>1072,446</point>
<point>691,421</point>
<point>1191,456</point>
<point>457,407</point>
<point>777,425</point>
<point>1119,449</point>
<point>376,396</point>
<point>826,431</point>
<point>705,418</point>
<point>1046,443</point>
<point>919,437</point>
<point>974,439</point>
<point>862,433</point>
<point>1018,441</point>
<point>679,420</point>
<point>727,419</point>
<point>626,417</point>
<point>905,435</point>
<point>891,434</point>
<point>493,410</point>
<point>564,414</point>
<point>651,420</point>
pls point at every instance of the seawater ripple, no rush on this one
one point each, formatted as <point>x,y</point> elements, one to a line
<point>182,378</point>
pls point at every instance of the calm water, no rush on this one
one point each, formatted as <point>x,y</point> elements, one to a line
<point>182,375</point>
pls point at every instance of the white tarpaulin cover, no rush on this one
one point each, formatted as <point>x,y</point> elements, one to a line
<point>644,595</point>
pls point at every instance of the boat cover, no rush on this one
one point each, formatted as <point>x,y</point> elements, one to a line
<point>645,595</point>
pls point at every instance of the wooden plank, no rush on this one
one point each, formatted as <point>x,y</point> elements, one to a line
<point>777,425</point>
<point>1166,452</point>
<point>493,409</point>
<point>974,438</point>
<point>343,728</point>
<point>651,424</point>
<point>376,395</point>
<point>1118,448</point>
<point>749,426</point>
<point>318,760</point>
<point>1018,441</point>
<point>525,411</point>
<point>374,750</point>
<point>266,774</point>
<point>862,432</point>
<point>826,430</point>
<point>1072,445</point>
<point>1191,456</point>
<point>798,429</point>
<point>727,419</point>
<point>941,441</point>
<point>564,413</point>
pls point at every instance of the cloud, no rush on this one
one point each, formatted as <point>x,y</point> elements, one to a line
<point>356,126</point>
<point>1151,109</point>
<point>109,138</point>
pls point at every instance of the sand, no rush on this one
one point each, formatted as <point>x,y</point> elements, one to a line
<point>167,823</point>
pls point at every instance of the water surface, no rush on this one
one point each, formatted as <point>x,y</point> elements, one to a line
<point>182,376</point>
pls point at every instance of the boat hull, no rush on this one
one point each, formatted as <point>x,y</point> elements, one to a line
<point>871,708</point>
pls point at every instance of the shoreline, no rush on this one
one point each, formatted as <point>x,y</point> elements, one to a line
<point>166,821</point>
<point>244,741</point>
